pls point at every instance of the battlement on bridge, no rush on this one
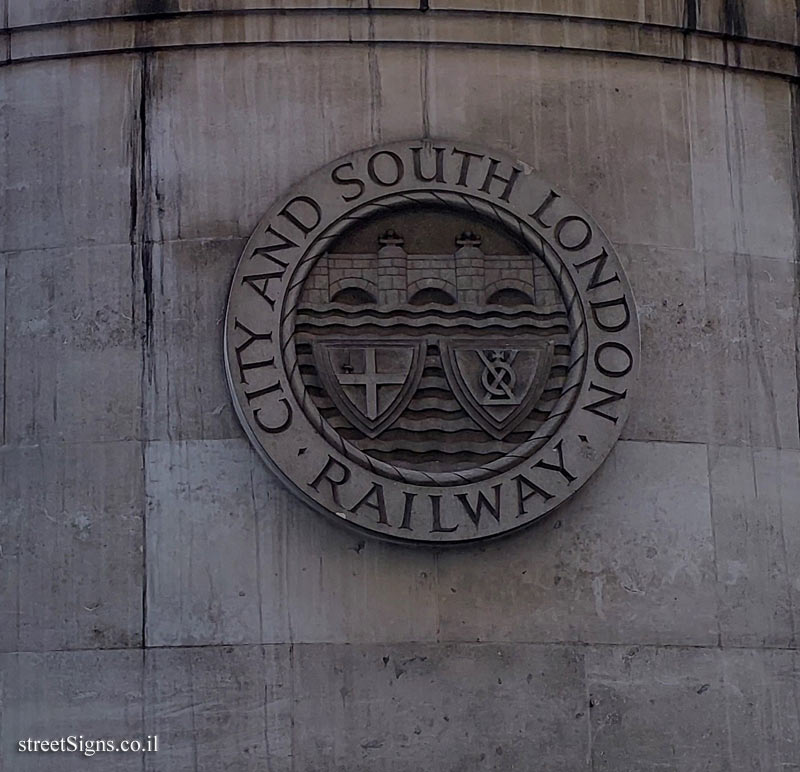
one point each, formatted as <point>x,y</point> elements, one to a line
<point>390,276</point>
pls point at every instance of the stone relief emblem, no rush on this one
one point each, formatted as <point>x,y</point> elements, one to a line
<point>430,343</point>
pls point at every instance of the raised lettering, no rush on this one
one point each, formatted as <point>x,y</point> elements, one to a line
<point>613,396</point>
<point>266,251</point>
<point>532,490</point>
<point>438,175</point>
<point>407,510</point>
<point>287,422</point>
<point>295,220</point>
<point>559,467</point>
<point>259,282</point>
<point>398,168</point>
<point>607,325</point>
<point>466,160</point>
<point>252,338</point>
<point>436,516</point>
<point>492,175</point>
<point>545,205</point>
<point>339,180</point>
<point>273,387</point>
<point>580,243</point>
<point>373,499</point>
<point>595,281</point>
<point>251,395</point>
<point>483,503</point>
<point>607,370</point>
<point>332,465</point>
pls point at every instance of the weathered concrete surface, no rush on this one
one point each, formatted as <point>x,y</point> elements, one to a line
<point>3,263</point>
<point>50,695</point>
<point>246,577</point>
<point>718,348</point>
<point>657,614</point>
<point>73,349</point>
<point>693,709</point>
<point>741,161</point>
<point>410,706</point>
<point>221,708</point>
<point>184,391</point>
<point>23,12</point>
<point>222,175</point>
<point>630,559</point>
<point>754,495</point>
<point>761,708</point>
<point>406,706</point>
<point>654,708</point>
<point>295,26</point>
<point>773,20</point>
<point>71,546</point>
<point>68,128</point>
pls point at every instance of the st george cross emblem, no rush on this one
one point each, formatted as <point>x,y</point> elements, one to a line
<point>370,381</point>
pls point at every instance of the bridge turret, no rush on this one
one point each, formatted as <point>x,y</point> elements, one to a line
<point>392,270</point>
<point>470,269</point>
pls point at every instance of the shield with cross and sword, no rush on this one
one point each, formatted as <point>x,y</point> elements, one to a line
<point>370,381</point>
<point>497,382</point>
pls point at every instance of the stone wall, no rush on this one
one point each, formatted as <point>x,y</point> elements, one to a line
<point>156,578</point>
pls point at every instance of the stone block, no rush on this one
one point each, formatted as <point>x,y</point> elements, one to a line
<point>706,319</point>
<point>97,694</point>
<point>73,346</point>
<point>70,130</point>
<point>766,19</point>
<point>330,585</point>
<point>763,709</point>
<point>22,12</point>
<point>740,130</point>
<point>671,401</point>
<point>657,709</point>
<point>575,123</point>
<point>448,707</point>
<point>757,537</point>
<point>219,708</point>
<point>629,558</point>
<point>222,170</point>
<point>656,11</point>
<point>693,709</point>
<point>752,368</point>
<point>234,557</point>
<point>71,564</point>
<point>3,263</point>
<point>202,561</point>
<point>186,394</point>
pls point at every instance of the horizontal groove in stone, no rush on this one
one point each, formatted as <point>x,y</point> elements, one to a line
<point>488,643</point>
<point>673,15</point>
<point>397,26</point>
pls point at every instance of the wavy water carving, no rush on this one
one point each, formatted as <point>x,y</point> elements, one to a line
<point>465,403</point>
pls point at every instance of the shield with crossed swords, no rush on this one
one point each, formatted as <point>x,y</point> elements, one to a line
<point>495,381</point>
<point>370,381</point>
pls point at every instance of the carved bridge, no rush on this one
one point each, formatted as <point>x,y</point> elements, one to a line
<point>467,277</point>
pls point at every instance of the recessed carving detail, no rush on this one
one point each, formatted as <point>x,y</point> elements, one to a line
<point>424,321</point>
<point>488,364</point>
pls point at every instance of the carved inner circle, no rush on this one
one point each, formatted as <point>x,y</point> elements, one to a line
<point>433,340</point>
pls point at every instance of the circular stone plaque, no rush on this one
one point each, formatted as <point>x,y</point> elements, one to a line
<point>428,341</point>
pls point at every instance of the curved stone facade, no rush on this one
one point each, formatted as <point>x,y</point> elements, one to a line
<point>155,578</point>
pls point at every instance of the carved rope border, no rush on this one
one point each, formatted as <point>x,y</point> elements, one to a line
<point>530,237</point>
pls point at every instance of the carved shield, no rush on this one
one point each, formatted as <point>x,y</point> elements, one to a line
<point>495,381</point>
<point>370,381</point>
